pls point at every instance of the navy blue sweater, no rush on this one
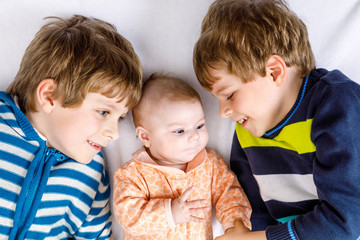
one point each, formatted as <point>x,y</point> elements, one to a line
<point>303,176</point>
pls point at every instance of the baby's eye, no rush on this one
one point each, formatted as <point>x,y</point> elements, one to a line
<point>200,126</point>
<point>180,131</point>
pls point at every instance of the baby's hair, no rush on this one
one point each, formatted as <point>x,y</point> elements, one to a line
<point>239,36</point>
<point>159,88</point>
<point>82,55</point>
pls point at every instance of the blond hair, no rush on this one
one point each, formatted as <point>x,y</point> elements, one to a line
<point>82,55</point>
<point>239,36</point>
<point>162,88</point>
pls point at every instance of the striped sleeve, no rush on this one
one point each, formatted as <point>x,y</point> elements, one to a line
<point>97,224</point>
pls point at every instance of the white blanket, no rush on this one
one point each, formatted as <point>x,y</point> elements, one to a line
<point>163,33</point>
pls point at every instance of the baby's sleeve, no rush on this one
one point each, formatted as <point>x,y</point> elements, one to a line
<point>228,196</point>
<point>133,208</point>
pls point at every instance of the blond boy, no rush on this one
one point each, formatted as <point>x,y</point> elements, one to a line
<point>77,78</point>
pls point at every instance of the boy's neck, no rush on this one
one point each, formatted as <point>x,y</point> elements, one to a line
<point>291,89</point>
<point>33,119</point>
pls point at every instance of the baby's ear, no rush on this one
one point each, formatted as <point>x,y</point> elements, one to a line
<point>44,94</point>
<point>143,135</point>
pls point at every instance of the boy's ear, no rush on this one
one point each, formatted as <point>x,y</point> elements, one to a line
<point>143,136</point>
<point>44,94</point>
<point>276,68</point>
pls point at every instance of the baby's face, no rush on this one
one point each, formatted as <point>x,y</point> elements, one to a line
<point>177,132</point>
<point>82,131</point>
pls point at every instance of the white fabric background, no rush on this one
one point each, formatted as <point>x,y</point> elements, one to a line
<point>163,33</point>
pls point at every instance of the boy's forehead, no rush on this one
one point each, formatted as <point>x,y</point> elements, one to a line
<point>220,84</point>
<point>215,75</point>
<point>218,88</point>
<point>115,103</point>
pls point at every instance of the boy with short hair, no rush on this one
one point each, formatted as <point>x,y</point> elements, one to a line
<point>295,149</point>
<point>78,77</point>
<point>166,190</point>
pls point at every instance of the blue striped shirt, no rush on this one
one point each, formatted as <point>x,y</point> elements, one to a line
<point>43,193</point>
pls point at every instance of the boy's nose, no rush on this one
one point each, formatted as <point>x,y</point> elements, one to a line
<point>224,110</point>
<point>112,131</point>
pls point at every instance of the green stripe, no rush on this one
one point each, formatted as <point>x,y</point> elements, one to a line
<point>295,137</point>
<point>286,219</point>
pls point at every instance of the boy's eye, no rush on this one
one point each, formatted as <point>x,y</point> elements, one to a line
<point>103,112</point>
<point>180,131</point>
<point>230,97</point>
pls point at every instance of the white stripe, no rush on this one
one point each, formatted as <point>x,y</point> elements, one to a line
<point>61,222</point>
<point>6,222</point>
<point>46,212</point>
<point>20,134</point>
<point>98,159</point>
<point>2,236</point>
<point>287,187</point>
<point>18,130</point>
<point>11,187</point>
<point>95,228</point>
<point>47,228</point>
<point>63,235</point>
<point>15,169</point>
<point>99,204</point>
<point>73,183</point>
<point>8,115</point>
<point>75,166</point>
<point>11,129</point>
<point>76,202</point>
<point>16,150</point>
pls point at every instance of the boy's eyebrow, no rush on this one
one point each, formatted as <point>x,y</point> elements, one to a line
<point>221,90</point>
<point>112,106</point>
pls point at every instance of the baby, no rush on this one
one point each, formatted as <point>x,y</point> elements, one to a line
<point>165,191</point>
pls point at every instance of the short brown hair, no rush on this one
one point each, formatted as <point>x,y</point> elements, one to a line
<point>240,36</point>
<point>163,87</point>
<point>82,55</point>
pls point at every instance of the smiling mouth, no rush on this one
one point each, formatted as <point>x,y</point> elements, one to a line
<point>241,121</point>
<point>95,145</point>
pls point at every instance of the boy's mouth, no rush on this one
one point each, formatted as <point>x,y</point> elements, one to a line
<point>241,121</point>
<point>95,145</point>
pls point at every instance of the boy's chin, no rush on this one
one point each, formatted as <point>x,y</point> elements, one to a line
<point>256,133</point>
<point>84,159</point>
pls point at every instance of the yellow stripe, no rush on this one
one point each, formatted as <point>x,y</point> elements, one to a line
<point>295,137</point>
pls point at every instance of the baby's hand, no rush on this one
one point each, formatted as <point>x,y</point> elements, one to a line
<point>184,211</point>
<point>236,232</point>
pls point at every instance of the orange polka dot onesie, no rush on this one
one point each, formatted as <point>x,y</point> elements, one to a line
<point>143,192</point>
